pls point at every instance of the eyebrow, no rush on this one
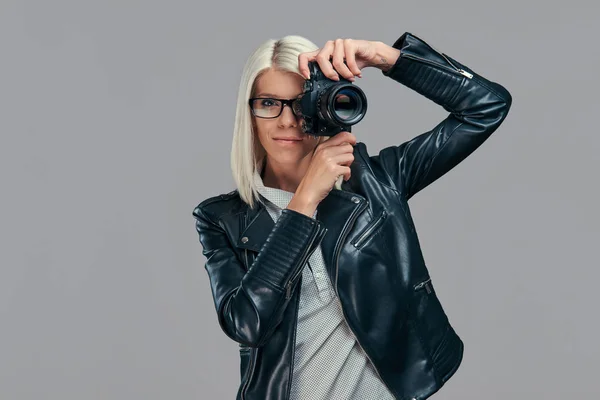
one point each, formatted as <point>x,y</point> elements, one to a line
<point>274,95</point>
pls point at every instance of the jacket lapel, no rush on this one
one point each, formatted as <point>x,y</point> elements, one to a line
<point>336,213</point>
<point>258,224</point>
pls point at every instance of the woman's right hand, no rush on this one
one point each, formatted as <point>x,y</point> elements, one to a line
<point>330,159</point>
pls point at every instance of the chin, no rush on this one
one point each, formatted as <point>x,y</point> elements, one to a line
<point>288,156</point>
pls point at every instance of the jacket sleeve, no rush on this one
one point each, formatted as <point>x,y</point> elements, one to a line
<point>250,304</point>
<point>477,107</point>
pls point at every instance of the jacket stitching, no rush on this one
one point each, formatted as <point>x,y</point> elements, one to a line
<point>457,91</point>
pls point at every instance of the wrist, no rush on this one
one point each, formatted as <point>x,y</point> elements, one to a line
<point>302,204</point>
<point>385,56</point>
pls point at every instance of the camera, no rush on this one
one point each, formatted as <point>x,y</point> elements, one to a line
<point>329,107</point>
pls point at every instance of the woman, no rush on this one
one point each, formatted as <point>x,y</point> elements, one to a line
<point>314,261</point>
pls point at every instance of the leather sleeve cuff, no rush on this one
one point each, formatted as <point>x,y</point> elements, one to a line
<point>287,248</point>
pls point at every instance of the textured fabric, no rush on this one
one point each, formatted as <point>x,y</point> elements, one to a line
<point>328,362</point>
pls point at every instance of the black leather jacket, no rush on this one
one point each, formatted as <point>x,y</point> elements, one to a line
<point>369,244</point>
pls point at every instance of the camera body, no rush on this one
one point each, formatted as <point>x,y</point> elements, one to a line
<point>329,107</point>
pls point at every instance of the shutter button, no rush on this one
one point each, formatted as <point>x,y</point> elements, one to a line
<point>244,239</point>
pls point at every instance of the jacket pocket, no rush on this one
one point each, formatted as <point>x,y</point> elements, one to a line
<point>429,316</point>
<point>369,231</point>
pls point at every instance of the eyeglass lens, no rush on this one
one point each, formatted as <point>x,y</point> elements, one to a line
<point>271,108</point>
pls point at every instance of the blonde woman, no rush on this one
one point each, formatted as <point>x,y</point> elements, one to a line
<point>314,262</point>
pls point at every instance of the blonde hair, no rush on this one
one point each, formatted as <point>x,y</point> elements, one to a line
<point>247,154</point>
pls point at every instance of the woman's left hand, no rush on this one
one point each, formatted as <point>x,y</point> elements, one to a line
<point>357,54</point>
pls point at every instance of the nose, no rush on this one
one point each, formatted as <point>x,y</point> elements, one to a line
<point>287,117</point>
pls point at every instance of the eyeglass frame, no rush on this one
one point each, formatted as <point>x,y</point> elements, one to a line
<point>283,102</point>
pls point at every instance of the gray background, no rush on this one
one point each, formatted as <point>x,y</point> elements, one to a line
<point>117,119</point>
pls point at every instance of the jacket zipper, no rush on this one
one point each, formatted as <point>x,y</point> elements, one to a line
<point>426,284</point>
<point>288,287</point>
<point>293,347</point>
<point>339,247</point>
<point>454,69</point>
<point>246,250</point>
<point>252,351</point>
<point>370,229</point>
<point>462,71</point>
<point>250,372</point>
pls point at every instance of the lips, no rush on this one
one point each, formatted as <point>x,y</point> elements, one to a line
<point>289,138</point>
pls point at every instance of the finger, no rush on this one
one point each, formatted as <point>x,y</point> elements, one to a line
<point>345,148</point>
<point>338,60</point>
<point>304,59</point>
<point>343,170</point>
<point>347,137</point>
<point>350,50</point>
<point>338,139</point>
<point>335,140</point>
<point>323,59</point>
<point>345,159</point>
<point>344,136</point>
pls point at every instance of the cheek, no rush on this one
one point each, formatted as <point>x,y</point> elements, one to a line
<point>310,144</point>
<point>260,132</point>
<point>263,127</point>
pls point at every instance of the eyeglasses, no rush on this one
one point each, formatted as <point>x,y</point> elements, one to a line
<point>268,107</point>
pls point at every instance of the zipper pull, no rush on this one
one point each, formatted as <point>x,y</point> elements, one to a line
<point>459,70</point>
<point>427,285</point>
<point>465,73</point>
<point>288,290</point>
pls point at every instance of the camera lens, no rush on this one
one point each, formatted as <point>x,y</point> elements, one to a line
<point>346,104</point>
